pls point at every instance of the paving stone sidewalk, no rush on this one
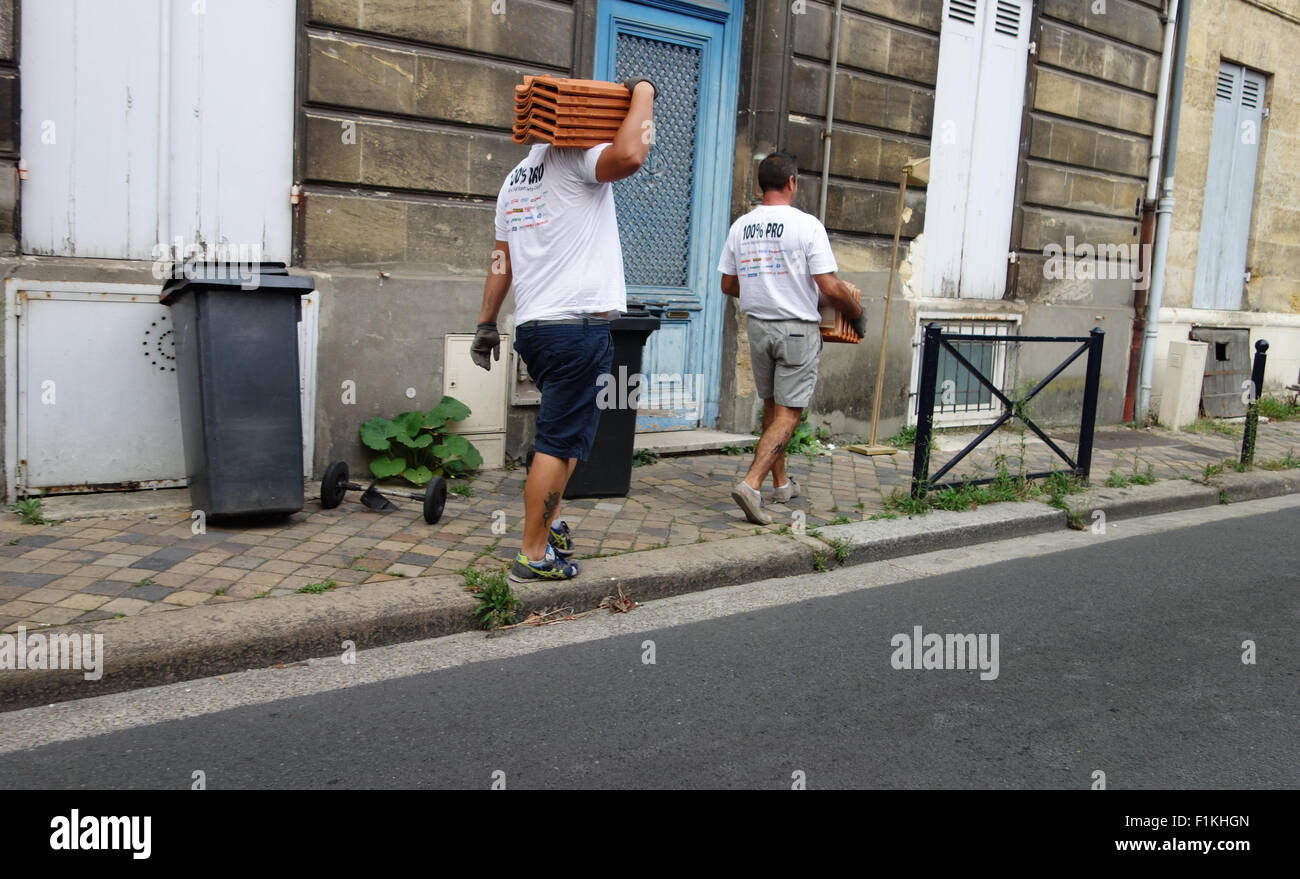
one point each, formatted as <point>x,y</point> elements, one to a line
<point>86,570</point>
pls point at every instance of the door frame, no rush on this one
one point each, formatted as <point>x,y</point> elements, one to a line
<point>714,165</point>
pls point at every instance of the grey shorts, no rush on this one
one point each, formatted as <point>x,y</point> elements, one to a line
<point>785,355</point>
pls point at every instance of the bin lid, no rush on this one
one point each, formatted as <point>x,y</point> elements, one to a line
<point>266,276</point>
<point>635,320</point>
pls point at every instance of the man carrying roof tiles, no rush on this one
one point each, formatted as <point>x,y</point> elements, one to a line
<point>557,241</point>
<point>778,261</point>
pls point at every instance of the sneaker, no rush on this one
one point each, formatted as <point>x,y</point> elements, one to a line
<point>751,502</point>
<point>791,489</point>
<point>561,540</point>
<point>550,568</point>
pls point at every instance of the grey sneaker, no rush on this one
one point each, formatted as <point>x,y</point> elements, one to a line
<point>791,489</point>
<point>751,502</point>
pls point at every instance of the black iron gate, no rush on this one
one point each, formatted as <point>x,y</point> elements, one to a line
<point>937,340</point>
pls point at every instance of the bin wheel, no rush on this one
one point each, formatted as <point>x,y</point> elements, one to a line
<point>332,485</point>
<point>435,499</point>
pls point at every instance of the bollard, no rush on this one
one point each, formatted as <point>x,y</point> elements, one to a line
<point>1252,408</point>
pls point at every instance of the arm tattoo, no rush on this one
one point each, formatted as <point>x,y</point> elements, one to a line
<point>552,502</point>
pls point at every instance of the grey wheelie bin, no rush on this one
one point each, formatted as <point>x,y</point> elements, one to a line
<point>237,368</point>
<point>608,470</point>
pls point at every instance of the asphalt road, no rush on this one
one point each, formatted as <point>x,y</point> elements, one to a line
<point>1119,655</point>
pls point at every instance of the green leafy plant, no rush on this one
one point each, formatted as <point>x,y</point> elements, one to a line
<point>905,437</point>
<point>802,441</point>
<point>460,488</point>
<point>819,561</point>
<point>31,511</point>
<point>642,457</point>
<point>318,588</point>
<point>497,603</point>
<point>841,520</point>
<point>883,514</point>
<point>732,450</point>
<point>417,445</point>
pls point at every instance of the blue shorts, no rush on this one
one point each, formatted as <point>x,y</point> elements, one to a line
<point>566,362</point>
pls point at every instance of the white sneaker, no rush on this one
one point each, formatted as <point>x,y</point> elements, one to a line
<point>751,502</point>
<point>791,489</point>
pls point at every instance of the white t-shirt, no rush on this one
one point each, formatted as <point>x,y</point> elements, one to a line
<point>563,235</point>
<point>775,250</point>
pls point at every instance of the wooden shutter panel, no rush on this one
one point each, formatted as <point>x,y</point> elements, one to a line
<point>973,146</point>
<point>1229,188</point>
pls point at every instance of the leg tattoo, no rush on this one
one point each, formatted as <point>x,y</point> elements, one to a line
<point>552,502</point>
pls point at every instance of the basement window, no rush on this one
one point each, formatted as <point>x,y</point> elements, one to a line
<point>960,398</point>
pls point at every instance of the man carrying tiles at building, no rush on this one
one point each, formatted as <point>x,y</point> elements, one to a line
<point>777,260</point>
<point>557,242</point>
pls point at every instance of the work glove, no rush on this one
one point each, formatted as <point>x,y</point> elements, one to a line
<point>860,324</point>
<point>486,341</point>
<point>630,84</point>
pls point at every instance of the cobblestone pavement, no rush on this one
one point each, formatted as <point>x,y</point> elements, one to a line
<point>86,570</point>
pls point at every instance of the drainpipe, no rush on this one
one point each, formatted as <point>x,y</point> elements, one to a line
<point>1164,212</point>
<point>830,108</point>
<point>1148,207</point>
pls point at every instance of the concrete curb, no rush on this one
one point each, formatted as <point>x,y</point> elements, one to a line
<point>189,643</point>
<point>879,539</point>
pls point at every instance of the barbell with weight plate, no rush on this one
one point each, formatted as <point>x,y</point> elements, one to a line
<point>334,485</point>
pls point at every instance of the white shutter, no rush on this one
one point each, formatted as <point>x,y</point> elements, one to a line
<point>231,146</point>
<point>950,146</point>
<point>1229,188</point>
<point>112,170</point>
<point>90,106</point>
<point>998,110</point>
<point>979,100</point>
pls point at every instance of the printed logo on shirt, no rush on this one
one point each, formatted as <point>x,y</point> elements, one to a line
<point>530,176</point>
<point>757,258</point>
<point>527,212</point>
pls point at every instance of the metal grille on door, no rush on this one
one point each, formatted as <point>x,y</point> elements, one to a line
<point>654,205</point>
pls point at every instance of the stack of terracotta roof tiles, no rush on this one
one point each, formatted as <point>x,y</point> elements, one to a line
<point>836,327</point>
<point>568,112</point>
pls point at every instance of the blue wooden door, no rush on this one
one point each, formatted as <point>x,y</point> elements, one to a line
<point>673,214</point>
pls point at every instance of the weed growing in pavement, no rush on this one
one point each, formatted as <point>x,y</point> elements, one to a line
<point>1211,472</point>
<point>1213,425</point>
<point>905,437</point>
<point>732,450</point>
<point>643,457</point>
<point>1124,480</point>
<point>841,548</point>
<point>318,588</point>
<point>222,590</point>
<point>819,561</point>
<point>883,514</point>
<point>497,603</point>
<point>1279,410</point>
<point>460,488</point>
<point>841,520</point>
<point>1290,462</point>
<point>146,581</point>
<point>262,594</point>
<point>31,511</point>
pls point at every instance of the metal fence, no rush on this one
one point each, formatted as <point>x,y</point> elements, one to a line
<point>936,341</point>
